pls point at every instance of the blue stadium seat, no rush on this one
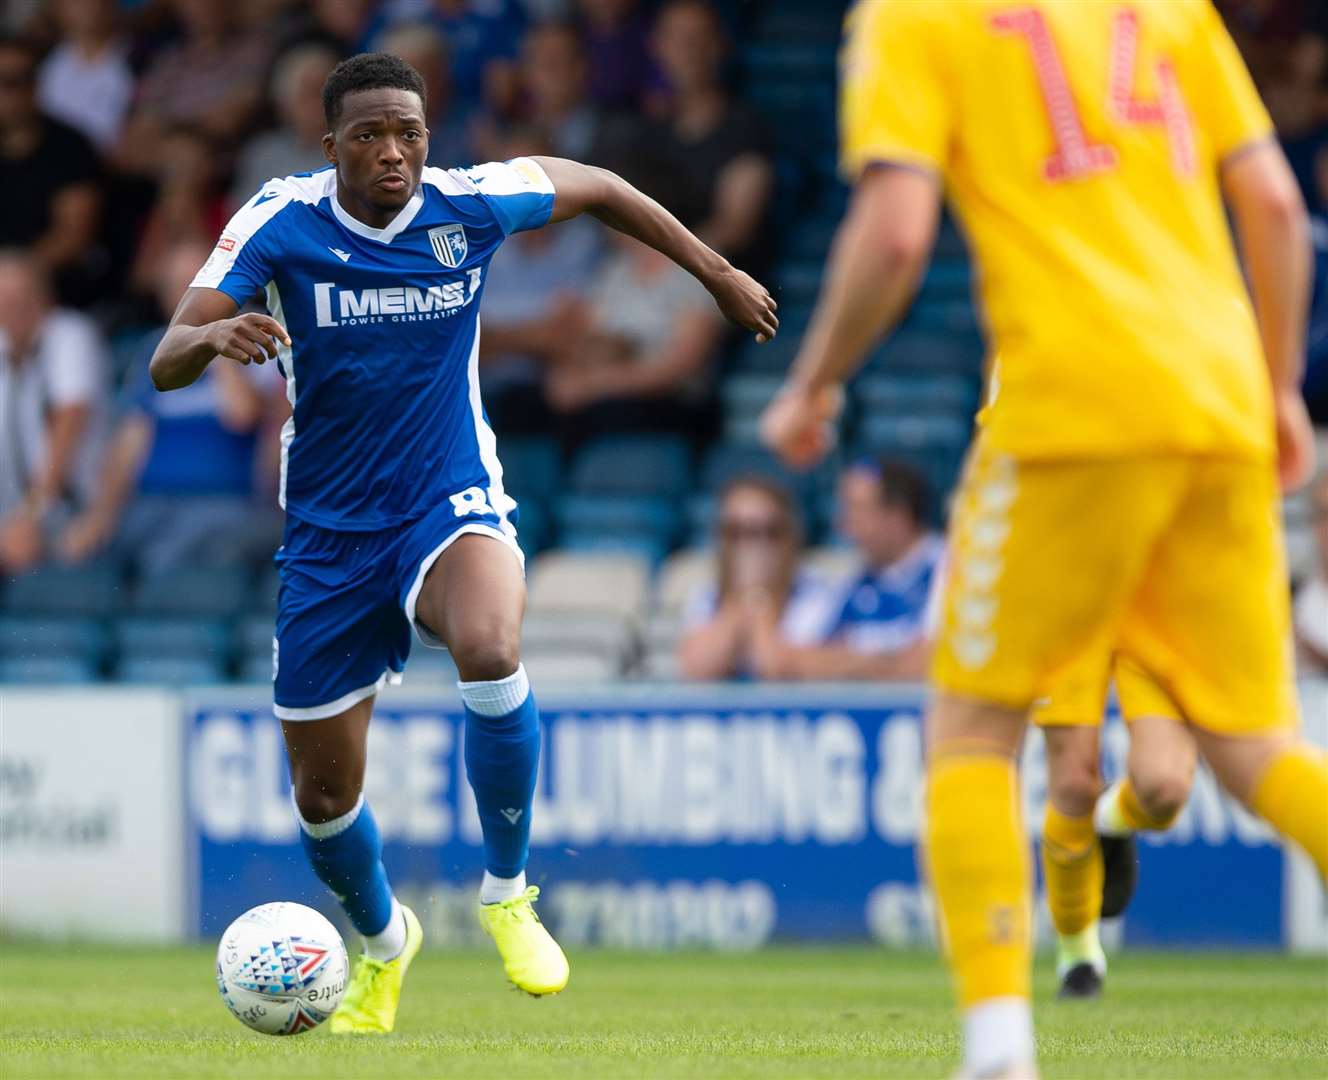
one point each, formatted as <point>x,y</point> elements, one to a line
<point>798,283</point>
<point>914,435</point>
<point>725,461</point>
<point>773,357</point>
<point>531,466</point>
<point>253,634</point>
<point>92,590</point>
<point>256,667</point>
<point>43,636</point>
<point>917,393</point>
<point>38,670</point>
<point>172,670</point>
<point>633,465</point>
<point>533,527</point>
<point>218,591</point>
<point>147,636</point>
<point>264,595</point>
<point>748,394</point>
<point>649,517</point>
<point>947,278</point>
<point>699,520</point>
<point>929,351</point>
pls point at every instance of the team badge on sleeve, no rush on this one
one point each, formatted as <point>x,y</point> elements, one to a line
<point>449,244</point>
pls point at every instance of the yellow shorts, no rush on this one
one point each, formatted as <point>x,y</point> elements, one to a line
<point>1079,698</point>
<point>1173,564</point>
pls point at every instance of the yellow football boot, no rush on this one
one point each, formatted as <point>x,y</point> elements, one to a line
<point>370,1004</point>
<point>531,958</point>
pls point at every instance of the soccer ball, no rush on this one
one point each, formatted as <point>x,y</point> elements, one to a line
<point>281,968</point>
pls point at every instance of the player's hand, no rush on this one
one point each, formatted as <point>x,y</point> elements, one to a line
<point>746,301</point>
<point>248,338</point>
<point>799,425</point>
<point>1295,440</point>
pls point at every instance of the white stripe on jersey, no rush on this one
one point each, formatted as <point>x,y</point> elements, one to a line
<point>520,176</point>
<point>501,502</point>
<point>250,218</point>
<point>288,365</point>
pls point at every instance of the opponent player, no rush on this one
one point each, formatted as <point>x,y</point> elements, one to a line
<point>1121,497</point>
<point>396,515</point>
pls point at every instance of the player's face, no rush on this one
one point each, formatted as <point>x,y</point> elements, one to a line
<point>379,147</point>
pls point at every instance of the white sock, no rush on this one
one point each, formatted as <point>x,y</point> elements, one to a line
<point>388,943</point>
<point>1084,947</point>
<point>998,1034</point>
<point>497,697</point>
<point>1107,817</point>
<point>494,890</point>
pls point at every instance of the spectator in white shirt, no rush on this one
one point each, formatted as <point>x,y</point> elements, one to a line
<point>86,80</point>
<point>53,366</point>
<point>1311,610</point>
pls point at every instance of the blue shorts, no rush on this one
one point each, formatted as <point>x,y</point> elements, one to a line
<point>347,603</point>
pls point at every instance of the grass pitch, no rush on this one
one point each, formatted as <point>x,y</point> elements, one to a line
<point>845,1012</point>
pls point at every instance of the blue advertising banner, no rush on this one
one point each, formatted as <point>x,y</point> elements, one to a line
<point>676,817</point>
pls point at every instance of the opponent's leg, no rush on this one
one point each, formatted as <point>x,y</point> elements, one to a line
<point>341,839</point>
<point>1281,778</point>
<point>472,599</point>
<point>979,866</point>
<point>1072,858</point>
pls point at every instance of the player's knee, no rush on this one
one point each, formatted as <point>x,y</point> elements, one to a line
<point>1163,795</point>
<point>485,657</point>
<point>320,799</point>
<point>1073,787</point>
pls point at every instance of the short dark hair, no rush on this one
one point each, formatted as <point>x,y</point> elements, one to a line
<point>901,484</point>
<point>369,71</point>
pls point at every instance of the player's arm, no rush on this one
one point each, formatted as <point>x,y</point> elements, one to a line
<point>585,189</point>
<point>876,262</point>
<point>1274,232</point>
<point>205,326</point>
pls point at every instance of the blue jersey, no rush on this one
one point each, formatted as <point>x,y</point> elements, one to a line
<point>382,371</point>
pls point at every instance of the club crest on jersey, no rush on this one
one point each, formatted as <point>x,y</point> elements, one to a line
<point>449,244</point>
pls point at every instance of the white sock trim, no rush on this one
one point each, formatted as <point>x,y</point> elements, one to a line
<point>324,830</point>
<point>1084,947</point>
<point>998,1034</point>
<point>388,943</point>
<point>1107,817</point>
<point>497,697</point>
<point>494,890</point>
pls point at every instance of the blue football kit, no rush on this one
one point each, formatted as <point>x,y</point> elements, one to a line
<point>388,456</point>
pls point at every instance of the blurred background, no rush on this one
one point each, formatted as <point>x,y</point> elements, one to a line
<point>665,547</point>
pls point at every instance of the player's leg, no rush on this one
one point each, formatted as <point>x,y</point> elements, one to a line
<point>1213,616</point>
<point>978,862</point>
<point>1072,864</point>
<point>338,639</point>
<point>472,599</point>
<point>1282,778</point>
<point>1157,782</point>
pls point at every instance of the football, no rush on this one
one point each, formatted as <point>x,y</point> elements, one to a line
<point>281,968</point>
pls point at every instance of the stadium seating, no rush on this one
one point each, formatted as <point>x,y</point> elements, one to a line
<point>92,590</point>
<point>39,670</point>
<point>633,465</point>
<point>57,637</point>
<point>216,591</point>
<point>171,670</point>
<point>679,578</point>
<point>589,582</point>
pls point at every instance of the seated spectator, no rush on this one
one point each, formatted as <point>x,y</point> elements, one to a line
<point>210,81</point>
<point>48,180</point>
<point>616,36</point>
<point>86,81</point>
<point>873,623</point>
<point>534,299</point>
<point>52,389</point>
<point>423,48</point>
<point>642,360</point>
<point>711,148</point>
<point>297,144</point>
<point>1311,609</point>
<point>760,591</point>
<point>177,482</point>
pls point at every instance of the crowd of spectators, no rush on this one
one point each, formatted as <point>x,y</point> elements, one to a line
<point>130,131</point>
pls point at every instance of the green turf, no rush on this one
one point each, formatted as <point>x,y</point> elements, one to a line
<point>96,1012</point>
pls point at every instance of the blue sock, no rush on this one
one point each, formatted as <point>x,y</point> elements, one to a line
<point>347,856</point>
<point>502,758</point>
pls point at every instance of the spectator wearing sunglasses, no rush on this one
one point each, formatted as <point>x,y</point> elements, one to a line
<point>872,623</point>
<point>760,590</point>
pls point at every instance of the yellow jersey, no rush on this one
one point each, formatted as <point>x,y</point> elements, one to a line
<point>1080,144</point>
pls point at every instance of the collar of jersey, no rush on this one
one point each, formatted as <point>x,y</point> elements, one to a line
<point>388,232</point>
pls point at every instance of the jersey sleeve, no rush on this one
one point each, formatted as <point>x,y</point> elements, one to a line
<point>1227,105</point>
<point>894,102</point>
<point>518,193</point>
<point>242,262</point>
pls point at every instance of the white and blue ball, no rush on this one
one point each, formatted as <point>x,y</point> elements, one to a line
<point>282,968</point>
